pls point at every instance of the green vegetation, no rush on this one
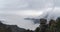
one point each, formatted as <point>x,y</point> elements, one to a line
<point>52,26</point>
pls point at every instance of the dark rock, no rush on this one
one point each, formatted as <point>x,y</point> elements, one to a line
<point>11,28</point>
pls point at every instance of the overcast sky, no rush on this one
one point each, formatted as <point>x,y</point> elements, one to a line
<point>14,11</point>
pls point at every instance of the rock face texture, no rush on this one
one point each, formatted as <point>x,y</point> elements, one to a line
<point>12,28</point>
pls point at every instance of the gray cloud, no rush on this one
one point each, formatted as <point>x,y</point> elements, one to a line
<point>57,3</point>
<point>24,4</point>
<point>10,11</point>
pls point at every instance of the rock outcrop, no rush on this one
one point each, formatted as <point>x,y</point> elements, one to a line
<point>12,28</point>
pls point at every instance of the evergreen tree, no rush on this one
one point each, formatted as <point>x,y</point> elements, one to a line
<point>37,29</point>
<point>58,24</point>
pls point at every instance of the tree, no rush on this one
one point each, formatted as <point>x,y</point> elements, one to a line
<point>58,24</point>
<point>52,25</point>
<point>37,29</point>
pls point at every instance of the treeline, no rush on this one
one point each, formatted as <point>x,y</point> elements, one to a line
<point>52,26</point>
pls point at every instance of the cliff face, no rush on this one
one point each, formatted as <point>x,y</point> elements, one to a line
<point>3,28</point>
<point>11,28</point>
<point>15,28</point>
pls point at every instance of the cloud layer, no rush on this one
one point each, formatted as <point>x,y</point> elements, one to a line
<point>25,4</point>
<point>14,11</point>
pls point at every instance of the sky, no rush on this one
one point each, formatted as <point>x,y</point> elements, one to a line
<point>13,12</point>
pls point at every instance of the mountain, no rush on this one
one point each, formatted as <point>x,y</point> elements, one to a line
<point>12,28</point>
<point>33,19</point>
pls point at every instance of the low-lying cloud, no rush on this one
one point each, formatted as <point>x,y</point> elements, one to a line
<point>13,12</point>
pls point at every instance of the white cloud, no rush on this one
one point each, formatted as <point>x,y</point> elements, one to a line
<point>55,13</point>
<point>24,4</point>
<point>34,8</point>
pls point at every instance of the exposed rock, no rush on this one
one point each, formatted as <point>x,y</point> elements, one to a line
<point>12,28</point>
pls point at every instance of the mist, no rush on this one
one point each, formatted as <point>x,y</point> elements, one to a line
<point>13,12</point>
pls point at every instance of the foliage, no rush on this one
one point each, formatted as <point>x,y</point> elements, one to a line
<point>37,29</point>
<point>52,26</point>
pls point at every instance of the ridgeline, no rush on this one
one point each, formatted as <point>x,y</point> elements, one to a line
<point>52,26</point>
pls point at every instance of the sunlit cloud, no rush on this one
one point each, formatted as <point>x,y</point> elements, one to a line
<point>30,13</point>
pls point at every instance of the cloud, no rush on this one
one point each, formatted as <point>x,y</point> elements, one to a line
<point>19,21</point>
<point>24,4</point>
<point>14,11</point>
<point>57,3</point>
<point>55,13</point>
